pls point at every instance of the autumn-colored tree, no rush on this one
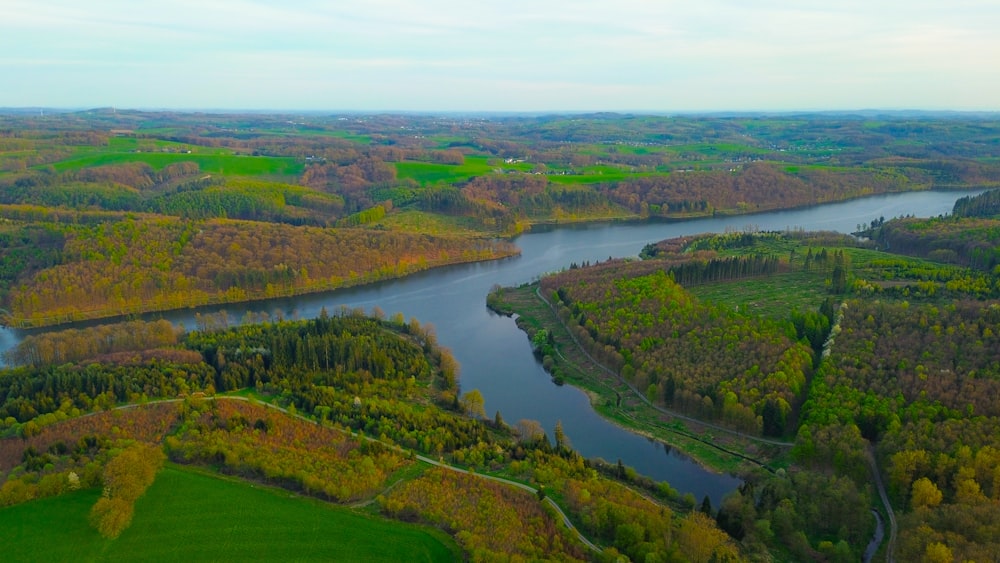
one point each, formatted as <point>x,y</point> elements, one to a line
<point>473,404</point>
<point>925,494</point>
<point>529,430</point>
<point>126,478</point>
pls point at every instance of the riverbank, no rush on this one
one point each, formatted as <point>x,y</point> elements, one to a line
<point>626,218</point>
<point>230,297</point>
<point>496,357</point>
<point>713,447</point>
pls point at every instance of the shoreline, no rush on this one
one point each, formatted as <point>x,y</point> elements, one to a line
<point>602,405</point>
<point>49,323</point>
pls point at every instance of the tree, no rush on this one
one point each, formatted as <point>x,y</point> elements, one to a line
<point>706,506</point>
<point>938,553</point>
<point>530,430</point>
<point>473,404</point>
<point>126,478</point>
<point>925,494</point>
<point>562,442</point>
<point>110,516</point>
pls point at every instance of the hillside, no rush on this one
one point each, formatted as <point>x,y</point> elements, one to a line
<point>153,211</point>
<point>354,411</point>
<point>815,338</point>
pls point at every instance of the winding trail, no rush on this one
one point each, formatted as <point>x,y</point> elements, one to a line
<point>643,397</point>
<point>890,548</point>
<point>565,518</point>
<point>528,488</point>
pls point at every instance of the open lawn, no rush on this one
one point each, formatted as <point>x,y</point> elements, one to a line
<point>189,515</point>
<point>595,176</point>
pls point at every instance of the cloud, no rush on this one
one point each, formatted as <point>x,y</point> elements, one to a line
<point>769,54</point>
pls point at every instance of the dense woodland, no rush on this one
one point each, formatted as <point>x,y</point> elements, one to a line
<point>698,358</point>
<point>152,211</point>
<point>353,398</point>
<point>895,355</point>
<point>920,381</point>
<point>888,345</point>
<point>150,263</point>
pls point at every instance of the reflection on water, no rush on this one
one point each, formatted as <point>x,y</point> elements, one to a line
<point>495,356</point>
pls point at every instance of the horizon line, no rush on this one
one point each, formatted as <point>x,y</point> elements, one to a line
<point>501,112</point>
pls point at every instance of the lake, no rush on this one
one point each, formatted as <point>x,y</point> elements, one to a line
<point>496,357</point>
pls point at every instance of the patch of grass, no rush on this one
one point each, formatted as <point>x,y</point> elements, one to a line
<point>584,179</point>
<point>771,296</point>
<point>190,515</point>
<point>716,149</point>
<point>430,172</point>
<point>123,144</point>
<point>52,529</point>
<point>212,163</point>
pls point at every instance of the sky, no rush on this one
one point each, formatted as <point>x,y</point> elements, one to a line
<point>511,56</point>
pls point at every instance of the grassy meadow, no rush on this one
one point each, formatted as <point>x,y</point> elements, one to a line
<point>191,515</point>
<point>230,164</point>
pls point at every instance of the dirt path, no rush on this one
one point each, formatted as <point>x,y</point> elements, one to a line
<point>583,539</point>
<point>528,488</point>
<point>890,548</point>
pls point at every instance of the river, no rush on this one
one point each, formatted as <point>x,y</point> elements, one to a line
<point>496,357</point>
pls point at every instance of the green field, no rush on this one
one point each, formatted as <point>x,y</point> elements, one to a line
<point>123,144</point>
<point>211,163</point>
<point>188,515</point>
<point>595,176</point>
<point>429,172</point>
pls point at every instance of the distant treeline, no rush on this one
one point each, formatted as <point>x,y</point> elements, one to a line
<point>970,236</point>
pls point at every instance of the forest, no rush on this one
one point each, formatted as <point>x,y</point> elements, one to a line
<point>342,408</point>
<point>159,210</point>
<point>817,361</point>
<point>863,357</point>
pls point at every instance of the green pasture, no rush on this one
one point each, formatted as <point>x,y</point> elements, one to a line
<point>211,163</point>
<point>431,172</point>
<point>597,178</point>
<point>717,149</point>
<point>121,144</point>
<point>335,133</point>
<point>189,515</point>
